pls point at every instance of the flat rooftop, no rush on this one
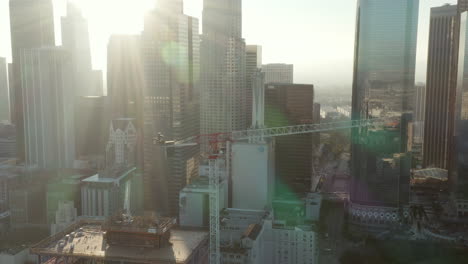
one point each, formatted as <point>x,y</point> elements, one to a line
<point>90,244</point>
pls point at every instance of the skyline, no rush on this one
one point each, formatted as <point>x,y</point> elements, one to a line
<point>323,58</point>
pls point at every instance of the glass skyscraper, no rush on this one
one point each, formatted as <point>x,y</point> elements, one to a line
<point>384,69</point>
<point>459,168</point>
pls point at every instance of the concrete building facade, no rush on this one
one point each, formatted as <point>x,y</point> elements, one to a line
<point>253,175</point>
<point>278,73</point>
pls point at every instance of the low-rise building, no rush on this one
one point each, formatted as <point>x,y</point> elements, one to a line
<point>136,240</point>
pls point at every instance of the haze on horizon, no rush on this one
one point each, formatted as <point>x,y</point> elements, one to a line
<point>316,36</point>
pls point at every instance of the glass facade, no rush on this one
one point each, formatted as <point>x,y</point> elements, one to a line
<point>459,172</point>
<point>384,69</point>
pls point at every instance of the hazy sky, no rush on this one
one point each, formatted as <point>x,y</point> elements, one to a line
<point>317,36</point>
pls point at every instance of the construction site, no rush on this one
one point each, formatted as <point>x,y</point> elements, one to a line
<point>124,239</point>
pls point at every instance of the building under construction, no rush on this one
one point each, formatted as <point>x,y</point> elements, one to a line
<point>124,239</point>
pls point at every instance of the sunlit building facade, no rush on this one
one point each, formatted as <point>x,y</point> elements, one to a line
<point>278,73</point>
<point>48,94</point>
<point>39,16</point>
<point>75,38</point>
<point>384,69</point>
<point>223,87</point>
<point>171,59</point>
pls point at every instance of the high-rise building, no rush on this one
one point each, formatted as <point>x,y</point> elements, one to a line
<point>4,94</point>
<point>92,118</point>
<point>31,26</point>
<point>171,59</point>
<point>278,73</point>
<point>287,105</point>
<point>458,173</point>
<point>75,39</point>
<point>223,88</point>
<point>418,124</point>
<point>48,94</point>
<point>436,127</point>
<point>253,62</point>
<point>125,77</point>
<point>384,70</point>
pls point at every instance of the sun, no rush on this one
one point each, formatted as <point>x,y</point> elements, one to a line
<point>115,16</point>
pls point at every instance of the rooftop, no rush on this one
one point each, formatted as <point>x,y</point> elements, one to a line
<point>88,242</point>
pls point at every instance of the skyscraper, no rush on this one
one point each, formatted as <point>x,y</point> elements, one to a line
<point>287,105</point>
<point>75,38</point>
<point>223,87</point>
<point>48,94</point>
<point>384,69</point>
<point>125,76</point>
<point>31,26</point>
<point>278,73</point>
<point>253,62</point>
<point>439,73</point>
<point>171,59</point>
<point>4,95</point>
<point>458,173</point>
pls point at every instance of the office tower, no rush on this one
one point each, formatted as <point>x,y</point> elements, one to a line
<point>287,105</point>
<point>75,39</point>
<point>4,94</point>
<point>31,26</point>
<point>384,69</point>
<point>278,73</point>
<point>48,94</point>
<point>171,55</point>
<point>92,117</point>
<point>253,62</point>
<point>436,127</point>
<point>125,77</point>
<point>223,88</point>
<point>458,173</point>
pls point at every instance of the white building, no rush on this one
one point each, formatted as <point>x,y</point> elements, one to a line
<point>48,96</point>
<point>278,73</point>
<point>252,175</point>
<point>194,202</point>
<point>254,237</point>
<point>64,216</point>
<point>290,244</point>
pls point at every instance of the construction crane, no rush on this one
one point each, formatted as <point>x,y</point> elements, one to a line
<point>254,135</point>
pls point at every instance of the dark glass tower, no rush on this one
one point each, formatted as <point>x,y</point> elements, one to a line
<point>384,69</point>
<point>439,73</point>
